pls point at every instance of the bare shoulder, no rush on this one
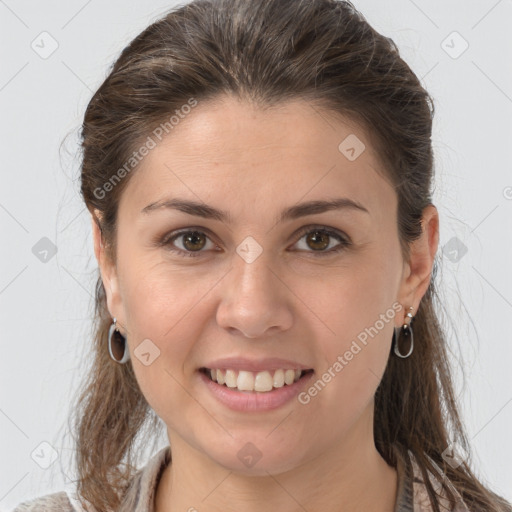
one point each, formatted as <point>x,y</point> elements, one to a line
<point>55,502</point>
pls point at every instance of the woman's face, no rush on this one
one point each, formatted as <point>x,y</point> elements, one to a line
<point>253,286</point>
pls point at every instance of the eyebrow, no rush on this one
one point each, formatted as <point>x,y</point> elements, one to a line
<point>291,213</point>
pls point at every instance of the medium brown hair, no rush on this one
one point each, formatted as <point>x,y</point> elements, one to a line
<point>268,52</point>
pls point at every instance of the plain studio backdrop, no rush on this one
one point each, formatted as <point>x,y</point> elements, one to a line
<point>55,54</point>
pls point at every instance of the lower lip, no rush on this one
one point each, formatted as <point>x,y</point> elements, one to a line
<point>254,400</point>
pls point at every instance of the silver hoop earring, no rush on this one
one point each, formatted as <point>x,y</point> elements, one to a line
<point>117,345</point>
<point>406,331</point>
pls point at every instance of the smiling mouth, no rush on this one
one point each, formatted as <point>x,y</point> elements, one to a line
<point>264,381</point>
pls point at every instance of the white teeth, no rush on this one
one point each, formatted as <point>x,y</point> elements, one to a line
<point>279,379</point>
<point>263,381</point>
<point>289,376</point>
<point>230,379</point>
<point>255,381</point>
<point>245,381</point>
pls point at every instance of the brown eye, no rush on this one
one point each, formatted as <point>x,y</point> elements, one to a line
<point>318,240</point>
<point>194,240</point>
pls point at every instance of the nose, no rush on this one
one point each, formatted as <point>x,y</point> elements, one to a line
<point>256,300</point>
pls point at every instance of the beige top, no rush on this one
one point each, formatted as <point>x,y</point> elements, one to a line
<point>411,491</point>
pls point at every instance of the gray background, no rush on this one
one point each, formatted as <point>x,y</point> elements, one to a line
<point>46,306</point>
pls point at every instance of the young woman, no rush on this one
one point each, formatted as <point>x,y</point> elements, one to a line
<point>259,176</point>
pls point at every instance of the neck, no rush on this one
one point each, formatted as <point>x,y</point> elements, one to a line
<point>352,475</point>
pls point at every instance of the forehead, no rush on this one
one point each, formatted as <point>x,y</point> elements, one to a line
<point>229,152</point>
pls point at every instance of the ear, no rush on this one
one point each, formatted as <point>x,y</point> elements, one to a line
<point>418,270</point>
<point>107,269</point>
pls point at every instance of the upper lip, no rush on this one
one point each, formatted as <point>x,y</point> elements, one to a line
<point>255,365</point>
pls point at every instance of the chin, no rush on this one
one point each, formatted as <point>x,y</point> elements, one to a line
<point>250,461</point>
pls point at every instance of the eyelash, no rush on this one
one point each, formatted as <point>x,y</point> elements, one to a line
<point>344,242</point>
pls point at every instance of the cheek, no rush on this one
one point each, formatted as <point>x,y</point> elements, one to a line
<point>166,310</point>
<point>156,305</point>
<point>159,298</point>
<point>354,299</point>
<point>358,317</point>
